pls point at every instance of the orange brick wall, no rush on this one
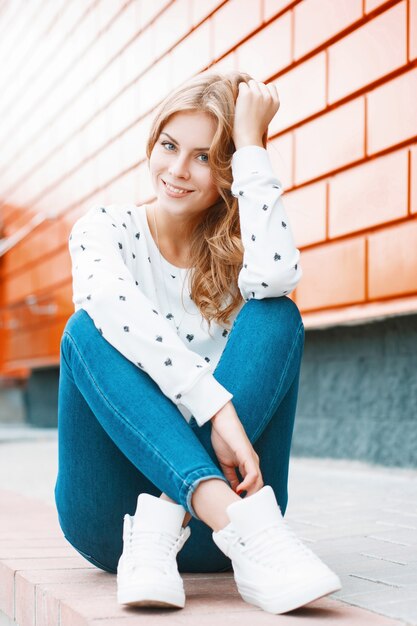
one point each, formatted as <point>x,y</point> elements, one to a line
<point>79,81</point>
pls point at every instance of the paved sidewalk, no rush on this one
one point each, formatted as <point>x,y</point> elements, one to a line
<point>362,520</point>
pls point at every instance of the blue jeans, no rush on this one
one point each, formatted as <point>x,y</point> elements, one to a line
<point>120,436</point>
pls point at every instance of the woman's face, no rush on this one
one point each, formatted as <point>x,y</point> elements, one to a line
<point>179,167</point>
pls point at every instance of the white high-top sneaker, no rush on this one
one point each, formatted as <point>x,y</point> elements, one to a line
<point>147,572</point>
<point>272,568</point>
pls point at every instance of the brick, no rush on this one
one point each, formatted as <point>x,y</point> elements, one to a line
<point>333,274</point>
<point>122,189</point>
<point>33,542</point>
<point>133,143</point>
<point>17,552</point>
<point>302,92</point>
<point>144,190</point>
<point>49,596</point>
<point>392,115</point>
<point>353,585</point>
<point>138,56</point>
<point>370,194</point>
<point>124,26</point>
<point>25,603</point>
<point>155,85</point>
<point>47,608</point>
<point>53,576</point>
<point>48,563</point>
<point>192,55</point>
<point>404,609</point>
<point>370,52</point>
<point>390,552</point>
<point>397,595</point>
<point>107,86</point>
<point>320,611</point>
<point>228,30</point>
<point>77,611</point>
<point>225,64</point>
<point>393,260</point>
<point>413,190</point>
<point>122,112</point>
<point>173,24</point>
<point>16,525</point>
<point>200,10</point>
<point>306,208</point>
<point>408,577</point>
<point>106,607</point>
<point>316,21</point>
<point>413,30</point>
<point>230,609</point>
<point>106,13</point>
<point>51,585</point>
<point>399,535</point>
<point>24,587</point>
<point>280,151</point>
<point>273,7</point>
<point>83,182</point>
<point>147,10</point>
<point>6,591</point>
<point>316,150</point>
<point>370,5</point>
<point>267,52</point>
<point>105,161</point>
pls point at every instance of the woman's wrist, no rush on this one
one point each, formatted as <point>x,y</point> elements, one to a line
<point>242,141</point>
<point>220,412</point>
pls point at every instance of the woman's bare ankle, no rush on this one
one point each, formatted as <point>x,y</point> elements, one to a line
<point>210,500</point>
<point>164,496</point>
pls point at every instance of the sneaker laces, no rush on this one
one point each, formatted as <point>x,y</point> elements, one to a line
<point>153,547</point>
<point>273,546</point>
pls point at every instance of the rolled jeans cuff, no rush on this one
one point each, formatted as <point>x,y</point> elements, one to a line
<point>193,487</point>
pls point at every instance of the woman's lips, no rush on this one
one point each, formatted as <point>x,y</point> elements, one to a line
<point>175,194</point>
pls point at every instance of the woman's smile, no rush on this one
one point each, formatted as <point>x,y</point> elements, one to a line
<point>175,192</point>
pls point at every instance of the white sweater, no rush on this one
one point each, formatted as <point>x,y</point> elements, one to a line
<point>116,270</point>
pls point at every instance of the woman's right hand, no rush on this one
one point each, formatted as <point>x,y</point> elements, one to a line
<point>233,449</point>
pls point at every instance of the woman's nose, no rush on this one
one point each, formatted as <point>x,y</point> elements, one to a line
<point>179,168</point>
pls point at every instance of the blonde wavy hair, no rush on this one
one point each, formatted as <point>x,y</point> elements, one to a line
<point>216,250</point>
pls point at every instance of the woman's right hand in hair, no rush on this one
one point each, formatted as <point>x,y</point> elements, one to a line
<point>233,449</point>
<point>256,104</point>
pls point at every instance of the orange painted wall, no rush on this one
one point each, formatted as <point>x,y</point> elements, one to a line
<point>79,81</point>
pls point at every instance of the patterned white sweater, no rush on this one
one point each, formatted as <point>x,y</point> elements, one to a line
<point>116,270</point>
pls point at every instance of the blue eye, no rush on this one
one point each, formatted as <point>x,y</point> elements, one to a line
<point>167,143</point>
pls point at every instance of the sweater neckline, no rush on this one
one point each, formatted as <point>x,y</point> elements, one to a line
<point>156,249</point>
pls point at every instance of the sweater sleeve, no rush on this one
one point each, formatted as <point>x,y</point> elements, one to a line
<point>104,287</point>
<point>271,265</point>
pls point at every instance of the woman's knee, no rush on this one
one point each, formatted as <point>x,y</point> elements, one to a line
<point>101,551</point>
<point>281,312</point>
<point>79,322</point>
<point>283,304</point>
<point>110,566</point>
<point>80,331</point>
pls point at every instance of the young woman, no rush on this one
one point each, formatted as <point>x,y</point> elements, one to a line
<point>180,366</point>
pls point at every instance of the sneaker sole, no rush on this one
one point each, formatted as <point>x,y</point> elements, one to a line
<point>151,596</point>
<point>294,599</point>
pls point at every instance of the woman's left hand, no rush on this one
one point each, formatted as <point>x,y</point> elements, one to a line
<point>256,105</point>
